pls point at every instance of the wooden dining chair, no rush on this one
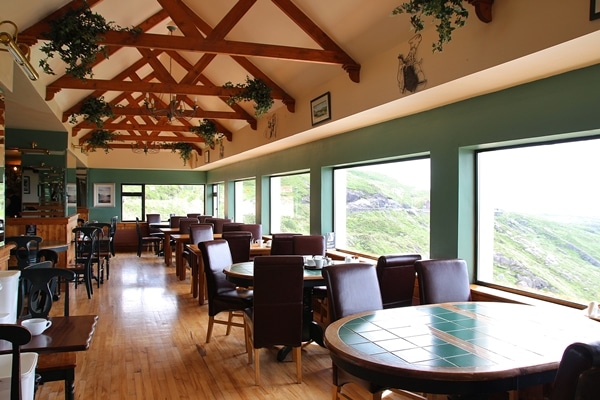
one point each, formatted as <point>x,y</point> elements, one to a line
<point>276,315</point>
<point>36,299</point>
<point>443,281</point>
<point>223,296</point>
<point>396,276</point>
<point>17,335</point>
<point>25,250</point>
<point>104,249</point>
<point>146,239</point>
<point>354,288</point>
<point>84,242</point>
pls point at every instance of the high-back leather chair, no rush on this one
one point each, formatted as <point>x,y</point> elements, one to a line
<point>396,276</point>
<point>36,296</point>
<point>254,229</point>
<point>352,288</point>
<point>222,294</point>
<point>239,244</point>
<point>276,316</point>
<point>309,245</point>
<point>217,223</point>
<point>443,280</point>
<point>282,244</point>
<point>174,220</point>
<point>231,226</point>
<point>571,382</point>
<point>198,233</point>
<point>17,335</point>
<point>185,223</point>
<point>193,215</point>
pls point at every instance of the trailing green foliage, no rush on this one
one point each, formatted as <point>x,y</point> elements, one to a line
<point>74,37</point>
<point>253,90</point>
<point>100,139</point>
<point>94,110</point>
<point>449,15</point>
<point>185,150</point>
<point>208,131</point>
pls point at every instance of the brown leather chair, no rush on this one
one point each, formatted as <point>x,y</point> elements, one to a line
<point>222,294</point>
<point>309,245</point>
<point>174,220</point>
<point>239,244</point>
<point>231,226</point>
<point>570,382</point>
<point>254,229</point>
<point>193,215</point>
<point>282,244</point>
<point>185,223</point>
<point>396,276</point>
<point>276,317</point>
<point>17,335</point>
<point>198,233</point>
<point>218,223</point>
<point>443,281</point>
<point>352,288</point>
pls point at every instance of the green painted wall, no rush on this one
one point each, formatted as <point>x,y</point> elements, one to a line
<point>557,107</point>
<point>132,176</point>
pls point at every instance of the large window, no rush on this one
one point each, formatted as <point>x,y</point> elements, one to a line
<point>137,200</point>
<point>539,219</point>
<point>218,200</point>
<point>245,201</point>
<point>290,203</point>
<point>383,208</point>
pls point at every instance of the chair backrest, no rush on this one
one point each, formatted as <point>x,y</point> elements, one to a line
<point>25,250</point>
<point>396,276</point>
<point>577,358</point>
<point>309,245</point>
<point>201,233</point>
<point>254,229</point>
<point>103,236</point>
<point>202,218</point>
<point>239,245</point>
<point>174,220</point>
<point>35,292</point>
<point>153,219</point>
<point>282,244</point>
<point>112,233</point>
<point>193,215</point>
<point>216,256</point>
<point>185,223</point>
<point>277,305</point>
<point>218,223</point>
<point>231,226</point>
<point>86,247</point>
<point>352,288</point>
<point>17,335</point>
<point>443,280</point>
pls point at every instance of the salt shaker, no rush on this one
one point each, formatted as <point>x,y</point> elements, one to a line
<point>592,309</point>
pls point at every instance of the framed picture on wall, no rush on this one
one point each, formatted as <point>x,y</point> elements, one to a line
<point>594,9</point>
<point>104,194</point>
<point>26,185</point>
<point>320,108</point>
<point>71,193</point>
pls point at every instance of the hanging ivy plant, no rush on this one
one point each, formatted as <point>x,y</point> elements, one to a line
<point>254,90</point>
<point>185,150</point>
<point>100,139</point>
<point>208,131</point>
<point>74,37</point>
<point>449,15</point>
<point>93,110</point>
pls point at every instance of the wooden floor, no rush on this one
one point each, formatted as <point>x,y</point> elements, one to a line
<point>150,344</point>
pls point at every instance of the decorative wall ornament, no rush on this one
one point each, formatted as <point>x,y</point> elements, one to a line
<point>271,129</point>
<point>410,74</point>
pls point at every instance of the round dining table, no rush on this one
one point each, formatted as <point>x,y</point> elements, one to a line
<point>470,348</point>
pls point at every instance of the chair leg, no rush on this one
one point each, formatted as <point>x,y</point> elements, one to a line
<point>229,321</point>
<point>297,356</point>
<point>211,322</point>
<point>257,367</point>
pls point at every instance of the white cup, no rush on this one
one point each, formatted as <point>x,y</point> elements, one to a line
<point>36,326</point>
<point>319,261</point>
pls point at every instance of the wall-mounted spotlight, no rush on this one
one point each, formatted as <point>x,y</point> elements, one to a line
<point>19,52</point>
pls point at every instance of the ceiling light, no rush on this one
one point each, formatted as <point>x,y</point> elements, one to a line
<point>144,148</point>
<point>176,108</point>
<point>17,51</point>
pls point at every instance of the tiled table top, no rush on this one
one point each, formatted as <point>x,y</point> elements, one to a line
<point>468,341</point>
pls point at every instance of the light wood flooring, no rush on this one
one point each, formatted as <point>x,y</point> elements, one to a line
<point>150,344</point>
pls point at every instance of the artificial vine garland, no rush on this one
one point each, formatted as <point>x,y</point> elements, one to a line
<point>100,139</point>
<point>253,90</point>
<point>94,110</point>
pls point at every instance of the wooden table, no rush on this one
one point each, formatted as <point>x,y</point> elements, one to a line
<point>457,348</point>
<point>167,244</point>
<point>197,267</point>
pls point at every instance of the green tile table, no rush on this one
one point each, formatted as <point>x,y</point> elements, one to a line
<point>457,348</point>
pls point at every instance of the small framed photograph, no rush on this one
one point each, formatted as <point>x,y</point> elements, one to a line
<point>321,108</point>
<point>71,193</point>
<point>206,156</point>
<point>104,194</point>
<point>26,185</point>
<point>594,9</point>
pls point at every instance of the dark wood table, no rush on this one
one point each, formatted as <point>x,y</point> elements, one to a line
<point>167,244</point>
<point>457,348</point>
<point>73,333</point>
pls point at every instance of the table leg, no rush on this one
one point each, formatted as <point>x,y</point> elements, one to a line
<point>200,279</point>
<point>179,266</point>
<point>167,249</point>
